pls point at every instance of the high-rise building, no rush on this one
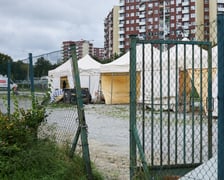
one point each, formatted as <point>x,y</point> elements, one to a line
<point>83,47</point>
<point>111,36</point>
<point>165,19</point>
<point>98,53</point>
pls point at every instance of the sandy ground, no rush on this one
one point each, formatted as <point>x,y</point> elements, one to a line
<point>108,136</point>
<point>108,128</point>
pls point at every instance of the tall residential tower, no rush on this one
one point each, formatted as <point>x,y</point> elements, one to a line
<point>167,19</point>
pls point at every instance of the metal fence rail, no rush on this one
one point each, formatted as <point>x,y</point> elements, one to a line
<point>173,108</point>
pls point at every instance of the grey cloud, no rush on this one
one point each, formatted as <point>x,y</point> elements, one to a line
<point>42,25</point>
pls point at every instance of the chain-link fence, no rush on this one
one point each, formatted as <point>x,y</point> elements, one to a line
<point>174,93</point>
<point>31,76</point>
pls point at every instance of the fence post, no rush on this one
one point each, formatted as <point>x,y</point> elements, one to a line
<point>132,123</point>
<point>8,87</point>
<point>31,74</point>
<point>220,95</point>
<point>81,116</point>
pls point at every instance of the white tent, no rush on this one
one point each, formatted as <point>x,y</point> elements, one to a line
<point>115,77</point>
<point>164,73</point>
<point>115,80</point>
<point>119,65</point>
<point>215,82</point>
<point>88,70</point>
<point>62,72</point>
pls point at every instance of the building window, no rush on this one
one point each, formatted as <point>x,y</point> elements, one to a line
<point>178,9</point>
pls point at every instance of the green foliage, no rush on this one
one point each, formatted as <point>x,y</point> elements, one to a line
<point>41,67</point>
<point>4,59</point>
<point>19,70</point>
<point>24,156</point>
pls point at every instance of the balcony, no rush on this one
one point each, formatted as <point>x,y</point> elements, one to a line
<point>141,15</point>
<point>185,3</point>
<point>186,11</point>
<point>121,39</point>
<point>121,25</point>
<point>185,19</point>
<point>121,3</point>
<point>142,23</point>
<point>121,18</point>
<point>121,46</point>
<point>142,30</point>
<point>121,11</point>
<point>220,9</point>
<point>121,32</point>
<point>142,8</point>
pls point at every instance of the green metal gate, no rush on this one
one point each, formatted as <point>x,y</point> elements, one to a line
<point>171,104</point>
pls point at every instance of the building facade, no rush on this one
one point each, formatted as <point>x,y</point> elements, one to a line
<point>98,53</point>
<point>83,47</point>
<point>111,36</point>
<point>162,19</point>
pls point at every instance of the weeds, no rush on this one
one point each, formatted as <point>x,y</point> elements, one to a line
<point>25,156</point>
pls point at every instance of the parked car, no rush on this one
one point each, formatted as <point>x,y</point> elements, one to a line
<point>4,83</point>
<point>70,96</point>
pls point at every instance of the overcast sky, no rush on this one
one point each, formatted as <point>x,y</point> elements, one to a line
<point>40,26</point>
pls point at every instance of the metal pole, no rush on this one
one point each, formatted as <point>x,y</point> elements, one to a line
<point>81,116</point>
<point>31,76</point>
<point>132,123</point>
<point>8,87</point>
<point>220,96</point>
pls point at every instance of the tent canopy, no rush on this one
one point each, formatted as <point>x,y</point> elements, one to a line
<point>89,74</point>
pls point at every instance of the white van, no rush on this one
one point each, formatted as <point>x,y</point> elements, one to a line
<point>4,83</point>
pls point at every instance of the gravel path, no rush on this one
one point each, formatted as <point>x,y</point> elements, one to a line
<point>108,128</point>
<point>108,136</point>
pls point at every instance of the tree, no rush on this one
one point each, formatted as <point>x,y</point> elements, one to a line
<point>41,67</point>
<point>4,59</point>
<point>20,70</point>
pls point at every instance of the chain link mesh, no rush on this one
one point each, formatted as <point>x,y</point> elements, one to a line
<point>177,106</point>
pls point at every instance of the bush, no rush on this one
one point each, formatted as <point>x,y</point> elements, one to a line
<point>24,156</point>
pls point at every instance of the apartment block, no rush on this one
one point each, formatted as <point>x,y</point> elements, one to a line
<point>162,19</point>
<point>98,53</point>
<point>83,47</point>
<point>111,36</point>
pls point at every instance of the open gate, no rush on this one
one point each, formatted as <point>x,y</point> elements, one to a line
<point>171,129</point>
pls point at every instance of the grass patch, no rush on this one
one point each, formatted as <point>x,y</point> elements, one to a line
<point>43,160</point>
<point>25,156</point>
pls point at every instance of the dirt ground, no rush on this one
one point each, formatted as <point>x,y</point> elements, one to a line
<point>108,136</point>
<point>108,129</point>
